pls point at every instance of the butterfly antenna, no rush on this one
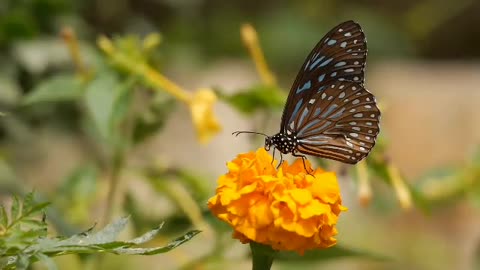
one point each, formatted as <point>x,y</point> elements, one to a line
<point>236,133</point>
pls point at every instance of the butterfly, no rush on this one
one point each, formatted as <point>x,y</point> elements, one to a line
<point>329,113</point>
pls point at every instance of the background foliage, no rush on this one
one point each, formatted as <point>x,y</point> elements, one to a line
<point>91,123</point>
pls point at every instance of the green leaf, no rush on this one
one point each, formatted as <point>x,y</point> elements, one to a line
<point>38,207</point>
<point>153,119</point>
<point>334,252</point>
<point>28,202</point>
<point>152,251</point>
<point>146,236</point>
<point>24,246</point>
<point>58,88</point>
<point>107,99</point>
<point>22,262</point>
<point>106,235</point>
<point>256,98</point>
<point>103,241</point>
<point>15,209</point>
<point>3,217</point>
<point>47,261</point>
<point>33,223</point>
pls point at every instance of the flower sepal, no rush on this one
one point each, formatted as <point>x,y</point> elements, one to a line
<point>262,256</point>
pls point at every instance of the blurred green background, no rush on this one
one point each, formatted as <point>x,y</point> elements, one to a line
<point>423,65</point>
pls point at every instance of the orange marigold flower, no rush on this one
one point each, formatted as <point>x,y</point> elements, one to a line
<point>287,209</point>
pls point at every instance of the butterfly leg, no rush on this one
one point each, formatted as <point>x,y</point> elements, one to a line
<point>273,159</point>
<point>281,161</point>
<point>303,159</point>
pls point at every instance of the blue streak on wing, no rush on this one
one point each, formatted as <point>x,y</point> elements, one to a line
<point>338,114</point>
<point>329,110</point>
<point>306,65</point>
<point>321,89</point>
<point>302,117</point>
<point>316,62</point>
<point>306,86</point>
<point>316,131</point>
<point>339,64</point>
<point>309,125</point>
<point>326,62</point>
<point>321,77</point>
<point>316,140</point>
<point>319,137</point>
<point>295,111</point>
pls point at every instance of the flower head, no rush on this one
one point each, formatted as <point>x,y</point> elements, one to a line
<point>201,108</point>
<point>287,208</point>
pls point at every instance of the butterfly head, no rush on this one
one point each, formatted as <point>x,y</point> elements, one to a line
<point>268,143</point>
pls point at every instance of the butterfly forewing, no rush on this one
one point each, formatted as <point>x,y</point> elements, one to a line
<point>340,122</point>
<point>339,56</point>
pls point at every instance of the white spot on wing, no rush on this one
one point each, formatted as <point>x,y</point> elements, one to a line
<point>355,135</point>
<point>348,34</point>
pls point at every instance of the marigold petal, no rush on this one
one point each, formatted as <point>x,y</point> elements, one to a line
<point>314,208</point>
<point>301,196</point>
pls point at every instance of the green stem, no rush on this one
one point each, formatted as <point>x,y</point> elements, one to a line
<point>262,256</point>
<point>116,166</point>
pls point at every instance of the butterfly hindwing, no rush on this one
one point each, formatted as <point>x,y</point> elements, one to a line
<point>340,122</point>
<point>339,56</point>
